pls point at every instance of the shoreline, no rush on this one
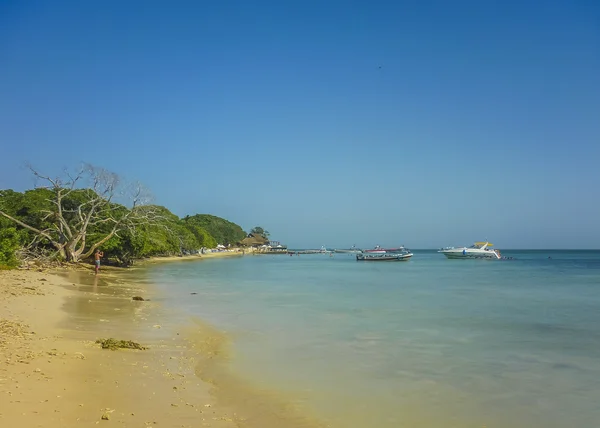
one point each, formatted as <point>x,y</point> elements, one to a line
<point>192,257</point>
<point>56,375</point>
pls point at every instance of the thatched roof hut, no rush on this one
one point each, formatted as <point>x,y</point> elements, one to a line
<point>254,240</point>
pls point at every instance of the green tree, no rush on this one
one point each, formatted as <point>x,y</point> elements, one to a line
<point>168,235</point>
<point>73,215</point>
<point>203,238</point>
<point>10,241</point>
<point>28,207</point>
<point>223,231</point>
<point>65,211</point>
<point>260,231</point>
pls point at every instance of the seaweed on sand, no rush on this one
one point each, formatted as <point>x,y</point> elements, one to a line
<point>11,330</point>
<point>114,344</point>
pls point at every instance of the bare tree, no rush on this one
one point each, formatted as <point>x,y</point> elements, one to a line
<point>85,201</point>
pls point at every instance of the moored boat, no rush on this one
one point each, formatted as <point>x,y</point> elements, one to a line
<point>479,250</point>
<point>385,257</point>
<point>380,250</point>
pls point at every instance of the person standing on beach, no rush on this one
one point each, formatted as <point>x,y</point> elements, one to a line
<point>97,256</point>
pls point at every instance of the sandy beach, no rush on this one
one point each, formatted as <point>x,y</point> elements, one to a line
<point>194,257</point>
<point>53,374</point>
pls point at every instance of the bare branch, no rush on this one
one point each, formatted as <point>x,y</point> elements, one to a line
<point>26,226</point>
<point>54,182</point>
<point>90,199</point>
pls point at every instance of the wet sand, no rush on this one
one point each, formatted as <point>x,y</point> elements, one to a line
<point>53,374</point>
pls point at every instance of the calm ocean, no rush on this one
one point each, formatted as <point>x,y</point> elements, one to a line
<point>425,343</point>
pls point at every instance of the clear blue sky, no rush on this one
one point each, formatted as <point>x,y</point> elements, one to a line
<point>482,122</point>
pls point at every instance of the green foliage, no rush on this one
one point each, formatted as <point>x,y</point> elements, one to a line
<point>203,238</point>
<point>165,234</point>
<point>68,211</point>
<point>10,201</point>
<point>257,230</point>
<point>31,207</point>
<point>169,235</point>
<point>224,231</point>
<point>38,209</point>
<point>10,241</point>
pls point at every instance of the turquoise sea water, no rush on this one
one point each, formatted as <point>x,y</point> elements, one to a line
<point>425,343</point>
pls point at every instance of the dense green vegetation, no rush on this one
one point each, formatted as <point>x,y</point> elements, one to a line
<point>10,242</point>
<point>66,222</point>
<point>168,236</point>
<point>224,231</point>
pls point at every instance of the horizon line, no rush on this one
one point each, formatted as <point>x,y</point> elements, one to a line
<point>436,249</point>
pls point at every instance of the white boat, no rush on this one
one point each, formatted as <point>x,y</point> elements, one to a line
<point>380,250</point>
<point>479,250</point>
<point>385,257</point>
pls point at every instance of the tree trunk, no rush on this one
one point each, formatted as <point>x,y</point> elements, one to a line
<point>70,254</point>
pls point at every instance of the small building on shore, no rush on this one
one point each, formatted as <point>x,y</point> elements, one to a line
<point>254,241</point>
<point>260,244</point>
<point>276,247</point>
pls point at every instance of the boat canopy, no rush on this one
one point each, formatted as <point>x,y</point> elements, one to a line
<point>489,244</point>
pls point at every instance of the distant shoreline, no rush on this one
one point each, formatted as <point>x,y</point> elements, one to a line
<point>192,257</point>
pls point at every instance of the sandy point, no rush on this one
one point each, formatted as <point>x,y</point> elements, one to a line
<point>237,252</point>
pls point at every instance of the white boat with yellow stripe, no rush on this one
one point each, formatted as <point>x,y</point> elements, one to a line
<point>479,250</point>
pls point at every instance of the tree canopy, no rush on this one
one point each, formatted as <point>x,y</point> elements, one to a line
<point>64,212</point>
<point>69,217</point>
<point>224,231</point>
<point>10,241</point>
<point>257,230</point>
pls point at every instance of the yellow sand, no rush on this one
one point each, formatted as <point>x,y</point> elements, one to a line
<point>54,375</point>
<point>233,253</point>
